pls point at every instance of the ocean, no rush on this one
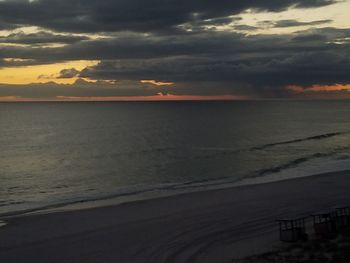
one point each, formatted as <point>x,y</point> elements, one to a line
<point>54,154</point>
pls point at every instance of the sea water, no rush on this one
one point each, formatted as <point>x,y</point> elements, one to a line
<point>60,153</point>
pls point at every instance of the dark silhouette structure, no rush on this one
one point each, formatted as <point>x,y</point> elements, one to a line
<point>292,230</point>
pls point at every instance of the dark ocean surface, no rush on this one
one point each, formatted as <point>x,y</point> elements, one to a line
<point>61,153</point>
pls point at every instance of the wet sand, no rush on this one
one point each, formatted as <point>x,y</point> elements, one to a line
<point>209,226</point>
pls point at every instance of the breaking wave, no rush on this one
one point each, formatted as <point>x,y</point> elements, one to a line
<point>317,137</point>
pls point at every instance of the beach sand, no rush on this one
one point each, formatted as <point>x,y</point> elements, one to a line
<point>209,226</point>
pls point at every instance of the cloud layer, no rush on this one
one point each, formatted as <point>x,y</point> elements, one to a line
<point>135,15</point>
<point>200,46</point>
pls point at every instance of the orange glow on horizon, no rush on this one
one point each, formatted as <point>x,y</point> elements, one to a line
<point>9,98</point>
<point>319,88</point>
<point>159,97</point>
<point>41,73</point>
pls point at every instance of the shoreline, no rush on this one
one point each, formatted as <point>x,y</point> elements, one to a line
<point>205,226</point>
<point>2,223</point>
<point>169,190</point>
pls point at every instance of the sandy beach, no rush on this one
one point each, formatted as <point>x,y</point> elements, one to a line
<point>209,226</point>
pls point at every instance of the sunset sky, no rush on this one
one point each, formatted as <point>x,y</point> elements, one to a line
<point>173,50</point>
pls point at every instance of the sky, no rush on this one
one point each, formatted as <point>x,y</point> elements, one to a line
<point>174,49</point>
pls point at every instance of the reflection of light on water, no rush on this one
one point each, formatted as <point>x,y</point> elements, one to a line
<point>2,223</point>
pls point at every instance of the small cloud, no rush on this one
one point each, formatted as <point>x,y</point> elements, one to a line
<point>291,23</point>
<point>81,81</point>
<point>245,28</point>
<point>51,76</point>
<point>156,83</point>
<point>68,73</point>
<point>161,94</point>
<point>294,23</point>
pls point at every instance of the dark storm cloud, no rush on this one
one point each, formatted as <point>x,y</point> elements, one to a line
<point>330,32</point>
<point>136,15</point>
<point>6,26</point>
<point>208,43</point>
<point>173,41</point>
<point>291,23</point>
<point>323,35</point>
<point>275,69</point>
<point>245,28</point>
<point>137,47</point>
<point>40,38</point>
<point>304,58</point>
<point>15,63</point>
<point>311,38</point>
